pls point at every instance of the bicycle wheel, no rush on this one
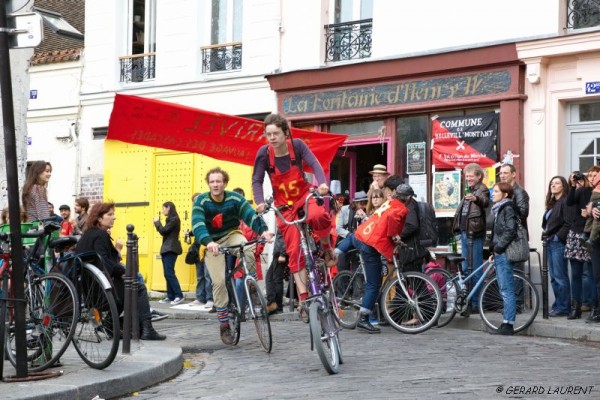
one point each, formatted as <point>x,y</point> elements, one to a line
<point>260,315</point>
<point>335,311</point>
<point>98,332</point>
<point>491,305</point>
<point>448,290</point>
<point>51,314</point>
<point>234,323</point>
<point>412,303</point>
<point>349,289</point>
<point>324,337</point>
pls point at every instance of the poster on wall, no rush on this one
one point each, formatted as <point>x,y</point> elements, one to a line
<point>419,185</point>
<point>458,141</point>
<point>415,158</point>
<point>446,192</point>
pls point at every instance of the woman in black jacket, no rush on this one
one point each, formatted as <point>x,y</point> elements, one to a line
<point>556,228</point>
<point>504,232</point>
<point>96,238</point>
<point>170,249</point>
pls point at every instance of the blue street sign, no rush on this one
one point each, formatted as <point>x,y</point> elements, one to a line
<point>33,94</point>
<point>592,87</point>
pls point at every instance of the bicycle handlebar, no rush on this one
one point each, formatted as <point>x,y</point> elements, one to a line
<point>227,249</point>
<point>313,193</point>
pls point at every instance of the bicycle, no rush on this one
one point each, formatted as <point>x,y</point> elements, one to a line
<point>51,310</point>
<point>410,301</point>
<point>97,334</point>
<point>254,297</point>
<point>491,305</point>
<point>323,318</point>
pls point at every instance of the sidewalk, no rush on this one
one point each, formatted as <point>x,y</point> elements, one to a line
<point>152,362</point>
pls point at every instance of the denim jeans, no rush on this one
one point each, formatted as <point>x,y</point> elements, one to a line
<point>583,289</point>
<point>203,283</point>
<point>173,288</point>
<point>504,273</point>
<point>372,265</point>
<point>559,276</point>
<point>477,261</point>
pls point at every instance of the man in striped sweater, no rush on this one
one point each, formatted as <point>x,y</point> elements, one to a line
<point>216,217</point>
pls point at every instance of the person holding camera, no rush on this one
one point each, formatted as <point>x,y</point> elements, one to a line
<point>577,199</point>
<point>594,203</point>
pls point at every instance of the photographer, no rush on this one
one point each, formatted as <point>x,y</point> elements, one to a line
<point>577,199</point>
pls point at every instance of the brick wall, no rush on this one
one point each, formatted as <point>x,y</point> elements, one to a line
<point>92,187</point>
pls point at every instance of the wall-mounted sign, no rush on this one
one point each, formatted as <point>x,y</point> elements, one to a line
<point>592,87</point>
<point>33,94</point>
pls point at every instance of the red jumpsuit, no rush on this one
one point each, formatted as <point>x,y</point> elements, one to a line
<point>290,188</point>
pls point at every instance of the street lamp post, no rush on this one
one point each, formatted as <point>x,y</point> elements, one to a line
<point>12,180</point>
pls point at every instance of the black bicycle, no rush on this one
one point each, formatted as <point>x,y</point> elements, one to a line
<point>51,306</point>
<point>257,305</point>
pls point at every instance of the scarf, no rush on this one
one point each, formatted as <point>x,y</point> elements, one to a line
<point>496,207</point>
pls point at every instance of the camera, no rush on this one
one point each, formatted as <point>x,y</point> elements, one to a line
<point>578,176</point>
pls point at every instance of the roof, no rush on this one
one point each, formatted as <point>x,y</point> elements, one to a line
<point>56,48</point>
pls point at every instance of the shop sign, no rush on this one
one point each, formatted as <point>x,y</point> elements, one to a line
<point>404,92</point>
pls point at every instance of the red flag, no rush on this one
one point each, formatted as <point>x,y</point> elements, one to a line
<point>156,123</point>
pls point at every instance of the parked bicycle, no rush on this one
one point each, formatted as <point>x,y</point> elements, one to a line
<point>51,306</point>
<point>458,296</point>
<point>257,305</point>
<point>410,302</point>
<point>322,312</point>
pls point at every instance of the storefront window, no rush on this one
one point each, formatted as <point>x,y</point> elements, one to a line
<point>411,136</point>
<point>356,129</point>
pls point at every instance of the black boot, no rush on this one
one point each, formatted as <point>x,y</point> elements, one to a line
<point>505,330</point>
<point>148,332</point>
<point>365,325</point>
<point>575,310</point>
<point>594,316</point>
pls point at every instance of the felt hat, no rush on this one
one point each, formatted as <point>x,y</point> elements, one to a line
<point>379,169</point>
<point>360,196</point>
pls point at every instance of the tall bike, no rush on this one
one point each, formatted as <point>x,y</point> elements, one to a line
<point>491,305</point>
<point>322,309</point>
<point>51,310</point>
<point>410,301</point>
<point>253,297</point>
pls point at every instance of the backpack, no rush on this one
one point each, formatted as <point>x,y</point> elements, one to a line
<point>428,227</point>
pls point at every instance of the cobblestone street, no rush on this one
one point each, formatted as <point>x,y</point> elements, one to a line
<point>441,363</point>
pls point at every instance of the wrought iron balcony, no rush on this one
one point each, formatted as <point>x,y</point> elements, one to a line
<point>348,40</point>
<point>138,67</point>
<point>583,14</point>
<point>222,57</point>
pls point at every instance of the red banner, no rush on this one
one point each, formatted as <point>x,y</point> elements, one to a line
<point>156,123</point>
<point>458,141</point>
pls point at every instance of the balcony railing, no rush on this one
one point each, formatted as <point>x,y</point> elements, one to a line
<point>138,67</point>
<point>348,40</point>
<point>583,14</point>
<point>222,57</point>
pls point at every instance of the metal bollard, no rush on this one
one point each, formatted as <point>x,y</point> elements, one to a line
<point>128,279</point>
<point>135,320</point>
<point>544,276</point>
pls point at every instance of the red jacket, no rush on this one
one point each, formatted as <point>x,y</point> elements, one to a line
<point>386,222</point>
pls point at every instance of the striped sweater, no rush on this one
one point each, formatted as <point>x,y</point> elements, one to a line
<point>211,220</point>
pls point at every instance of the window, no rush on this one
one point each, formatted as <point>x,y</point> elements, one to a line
<point>140,65</point>
<point>349,37</point>
<point>143,26</point>
<point>99,133</point>
<point>583,14</point>
<point>225,51</point>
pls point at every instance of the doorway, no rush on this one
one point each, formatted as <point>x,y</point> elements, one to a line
<point>352,164</point>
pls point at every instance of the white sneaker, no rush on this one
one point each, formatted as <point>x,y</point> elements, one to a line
<point>196,303</point>
<point>209,305</point>
<point>164,301</point>
<point>177,301</point>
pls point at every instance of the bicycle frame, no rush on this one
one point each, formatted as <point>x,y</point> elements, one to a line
<point>462,282</point>
<point>315,286</point>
